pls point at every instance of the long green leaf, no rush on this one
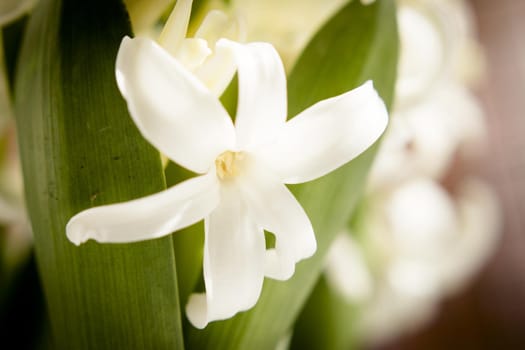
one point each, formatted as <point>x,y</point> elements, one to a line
<point>80,149</point>
<point>326,322</point>
<point>358,44</point>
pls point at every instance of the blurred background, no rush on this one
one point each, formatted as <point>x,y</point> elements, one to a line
<point>490,313</point>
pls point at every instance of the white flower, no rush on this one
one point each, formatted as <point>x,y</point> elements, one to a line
<point>422,58</point>
<point>479,224</point>
<point>421,244</point>
<point>432,244</point>
<point>241,191</point>
<point>437,45</point>
<point>213,65</point>
<point>346,269</point>
<point>425,138</point>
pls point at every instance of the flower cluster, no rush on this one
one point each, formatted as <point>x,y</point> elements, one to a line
<point>425,229</point>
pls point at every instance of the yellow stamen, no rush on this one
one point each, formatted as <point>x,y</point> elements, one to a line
<point>227,164</point>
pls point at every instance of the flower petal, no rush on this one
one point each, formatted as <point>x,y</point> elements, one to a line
<point>275,208</point>
<point>261,108</point>
<point>233,262</point>
<point>192,53</point>
<point>347,271</point>
<point>217,70</point>
<point>149,217</point>
<point>173,110</point>
<point>327,135</point>
<point>217,25</point>
<point>176,26</point>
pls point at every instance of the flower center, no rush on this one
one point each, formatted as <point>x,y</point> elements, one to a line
<point>227,164</point>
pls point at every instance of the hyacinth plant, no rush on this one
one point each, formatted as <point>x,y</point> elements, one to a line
<point>96,106</point>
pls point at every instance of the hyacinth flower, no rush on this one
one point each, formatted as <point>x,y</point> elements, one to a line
<point>243,167</point>
<point>422,243</point>
<point>212,64</point>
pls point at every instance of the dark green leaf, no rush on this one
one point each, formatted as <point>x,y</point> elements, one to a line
<point>80,149</point>
<point>326,323</point>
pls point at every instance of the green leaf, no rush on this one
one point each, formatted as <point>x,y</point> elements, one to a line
<point>80,149</point>
<point>326,323</point>
<point>358,44</point>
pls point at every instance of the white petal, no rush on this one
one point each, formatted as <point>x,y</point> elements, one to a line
<point>171,108</point>
<point>233,263</point>
<point>422,218</point>
<point>422,59</point>
<point>176,26</point>
<point>217,70</point>
<point>275,208</point>
<point>10,10</point>
<point>261,108</point>
<point>480,230</point>
<point>217,25</point>
<point>192,53</point>
<point>149,217</point>
<point>327,135</point>
<point>347,271</point>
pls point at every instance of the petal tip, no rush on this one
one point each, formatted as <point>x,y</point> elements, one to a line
<point>311,249</point>
<point>77,233</point>
<point>196,310</point>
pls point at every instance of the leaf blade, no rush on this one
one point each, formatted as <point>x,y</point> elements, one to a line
<point>76,135</point>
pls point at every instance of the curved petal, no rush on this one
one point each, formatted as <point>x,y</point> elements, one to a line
<point>192,53</point>
<point>173,110</point>
<point>176,26</point>
<point>347,271</point>
<point>479,215</point>
<point>422,218</point>
<point>327,135</point>
<point>261,108</point>
<point>149,217</point>
<point>233,263</point>
<point>217,25</point>
<point>217,70</point>
<point>275,208</point>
